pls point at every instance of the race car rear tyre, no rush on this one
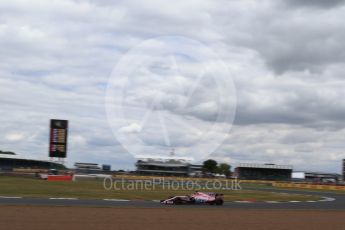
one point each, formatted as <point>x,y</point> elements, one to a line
<point>219,202</point>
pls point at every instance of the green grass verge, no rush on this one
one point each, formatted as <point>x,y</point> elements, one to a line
<point>265,186</point>
<point>93,189</point>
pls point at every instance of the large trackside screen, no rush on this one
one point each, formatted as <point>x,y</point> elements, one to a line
<point>58,138</point>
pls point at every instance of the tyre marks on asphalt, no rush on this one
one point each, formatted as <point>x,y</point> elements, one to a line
<point>324,199</point>
<point>328,199</point>
<point>10,197</point>
<point>116,200</point>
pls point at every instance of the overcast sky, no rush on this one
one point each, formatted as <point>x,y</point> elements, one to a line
<point>285,59</point>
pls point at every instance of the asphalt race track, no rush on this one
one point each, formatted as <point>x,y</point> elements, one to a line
<point>330,201</point>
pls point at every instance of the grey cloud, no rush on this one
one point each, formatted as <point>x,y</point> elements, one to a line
<point>290,40</point>
<point>287,60</point>
<point>314,3</point>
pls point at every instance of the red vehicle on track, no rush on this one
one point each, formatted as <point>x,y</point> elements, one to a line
<point>196,198</point>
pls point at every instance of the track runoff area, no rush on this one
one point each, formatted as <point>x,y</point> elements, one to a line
<point>39,204</point>
<point>133,192</point>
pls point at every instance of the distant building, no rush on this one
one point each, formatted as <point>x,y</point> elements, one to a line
<point>195,170</point>
<point>263,172</point>
<point>89,168</point>
<point>10,162</point>
<point>106,168</point>
<point>167,166</point>
<point>316,177</point>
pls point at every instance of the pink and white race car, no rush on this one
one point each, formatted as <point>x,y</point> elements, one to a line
<point>196,198</point>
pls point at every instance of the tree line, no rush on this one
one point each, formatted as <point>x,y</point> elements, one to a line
<point>212,166</point>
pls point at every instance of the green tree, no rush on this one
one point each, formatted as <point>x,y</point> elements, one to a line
<point>210,166</point>
<point>224,169</point>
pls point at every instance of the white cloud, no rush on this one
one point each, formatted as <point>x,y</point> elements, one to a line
<point>77,140</point>
<point>14,137</point>
<point>285,57</point>
<point>132,128</point>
